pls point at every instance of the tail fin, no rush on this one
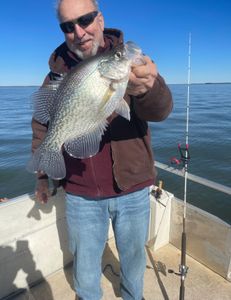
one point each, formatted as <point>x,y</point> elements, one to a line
<point>50,162</point>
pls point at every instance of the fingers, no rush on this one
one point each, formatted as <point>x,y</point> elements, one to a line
<point>42,192</point>
<point>146,69</point>
<point>142,77</point>
<point>3,200</point>
<point>142,70</point>
<point>57,64</point>
<point>137,87</point>
<point>42,197</point>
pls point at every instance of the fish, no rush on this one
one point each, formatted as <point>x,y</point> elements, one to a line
<point>77,107</point>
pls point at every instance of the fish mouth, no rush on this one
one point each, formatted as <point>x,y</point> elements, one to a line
<point>132,47</point>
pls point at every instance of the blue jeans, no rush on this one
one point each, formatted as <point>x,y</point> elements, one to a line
<point>88,224</point>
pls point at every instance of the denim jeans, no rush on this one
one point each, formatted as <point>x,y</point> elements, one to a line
<point>88,224</point>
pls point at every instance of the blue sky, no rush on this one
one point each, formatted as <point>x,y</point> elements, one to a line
<point>30,32</point>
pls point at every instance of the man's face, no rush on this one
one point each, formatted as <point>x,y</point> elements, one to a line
<point>84,41</point>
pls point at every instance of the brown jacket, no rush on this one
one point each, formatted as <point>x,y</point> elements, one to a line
<point>125,160</point>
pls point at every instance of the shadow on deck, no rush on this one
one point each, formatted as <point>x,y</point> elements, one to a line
<point>200,283</point>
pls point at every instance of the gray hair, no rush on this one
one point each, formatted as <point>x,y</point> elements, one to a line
<point>58,2</point>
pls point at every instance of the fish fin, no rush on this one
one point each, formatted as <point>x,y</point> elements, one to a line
<point>108,94</point>
<point>87,145</point>
<point>50,162</point>
<point>106,106</point>
<point>43,101</point>
<point>123,109</point>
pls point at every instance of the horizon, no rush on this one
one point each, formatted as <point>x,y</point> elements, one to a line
<point>191,83</point>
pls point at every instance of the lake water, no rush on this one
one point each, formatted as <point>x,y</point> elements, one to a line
<point>209,141</point>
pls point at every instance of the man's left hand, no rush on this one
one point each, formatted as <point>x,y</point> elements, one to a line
<point>142,77</point>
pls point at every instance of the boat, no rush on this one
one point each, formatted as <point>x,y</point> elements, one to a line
<point>35,262</point>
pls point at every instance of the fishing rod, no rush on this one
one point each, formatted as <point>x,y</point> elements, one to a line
<point>185,156</point>
<point>184,159</point>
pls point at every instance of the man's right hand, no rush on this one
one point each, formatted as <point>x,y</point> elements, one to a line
<point>42,192</point>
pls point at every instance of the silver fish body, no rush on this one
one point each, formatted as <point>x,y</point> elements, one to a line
<point>77,108</point>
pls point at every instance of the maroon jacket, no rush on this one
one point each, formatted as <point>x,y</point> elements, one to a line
<point>124,162</point>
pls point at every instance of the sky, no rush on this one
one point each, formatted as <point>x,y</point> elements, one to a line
<point>30,32</point>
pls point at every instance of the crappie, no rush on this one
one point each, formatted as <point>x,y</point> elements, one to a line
<point>77,108</point>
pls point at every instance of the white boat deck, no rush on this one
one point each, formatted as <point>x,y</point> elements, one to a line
<point>34,248</point>
<point>200,283</point>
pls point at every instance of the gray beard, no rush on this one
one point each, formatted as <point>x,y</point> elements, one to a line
<point>83,56</point>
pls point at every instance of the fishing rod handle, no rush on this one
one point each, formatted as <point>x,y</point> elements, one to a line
<point>182,290</point>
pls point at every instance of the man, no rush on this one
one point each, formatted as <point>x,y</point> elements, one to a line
<point>115,182</point>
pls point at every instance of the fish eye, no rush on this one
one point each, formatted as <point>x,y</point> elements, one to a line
<point>118,55</point>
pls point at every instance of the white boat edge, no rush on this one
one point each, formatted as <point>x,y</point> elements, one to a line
<point>34,238</point>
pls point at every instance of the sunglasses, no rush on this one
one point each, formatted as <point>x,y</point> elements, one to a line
<point>83,22</point>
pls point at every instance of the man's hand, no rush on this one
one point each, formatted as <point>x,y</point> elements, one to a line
<point>2,200</point>
<point>42,192</point>
<point>57,64</point>
<point>142,77</point>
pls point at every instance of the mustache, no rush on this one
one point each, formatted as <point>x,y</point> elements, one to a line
<point>82,42</point>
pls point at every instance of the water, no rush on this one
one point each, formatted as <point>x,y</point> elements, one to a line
<point>209,144</point>
<point>209,139</point>
<point>15,139</point>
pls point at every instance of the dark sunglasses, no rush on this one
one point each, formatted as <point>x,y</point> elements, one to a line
<point>83,21</point>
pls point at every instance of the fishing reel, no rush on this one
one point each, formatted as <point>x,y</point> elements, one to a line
<point>183,270</point>
<point>157,192</point>
<point>184,156</point>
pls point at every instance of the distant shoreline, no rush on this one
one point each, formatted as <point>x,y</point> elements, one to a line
<point>18,86</point>
<point>217,83</point>
<point>193,83</point>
